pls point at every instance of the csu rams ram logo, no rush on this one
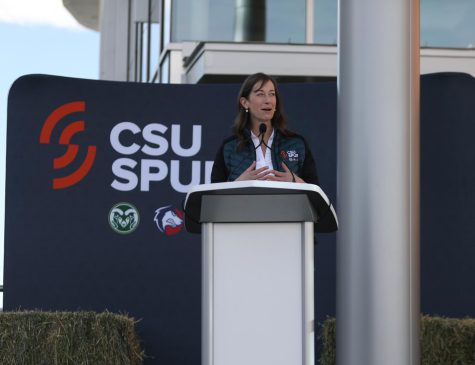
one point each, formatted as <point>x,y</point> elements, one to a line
<point>169,220</point>
<point>124,218</point>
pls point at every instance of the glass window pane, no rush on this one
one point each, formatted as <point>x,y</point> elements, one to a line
<point>155,47</point>
<point>166,21</point>
<point>214,20</point>
<point>165,70</point>
<point>222,26</point>
<point>325,22</point>
<point>448,24</point>
<point>144,56</point>
<point>443,23</point>
<point>285,21</point>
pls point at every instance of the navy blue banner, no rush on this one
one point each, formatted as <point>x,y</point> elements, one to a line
<point>97,172</point>
<point>447,195</point>
<point>96,175</point>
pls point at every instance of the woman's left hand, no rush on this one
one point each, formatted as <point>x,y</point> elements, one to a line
<point>287,175</point>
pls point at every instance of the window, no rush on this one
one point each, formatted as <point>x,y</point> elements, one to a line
<point>448,24</point>
<point>223,20</point>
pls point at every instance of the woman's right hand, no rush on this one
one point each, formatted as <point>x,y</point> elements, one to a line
<point>251,174</point>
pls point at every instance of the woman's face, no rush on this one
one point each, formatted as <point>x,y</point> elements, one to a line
<point>261,102</point>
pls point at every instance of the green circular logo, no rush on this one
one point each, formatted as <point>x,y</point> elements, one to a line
<point>124,218</point>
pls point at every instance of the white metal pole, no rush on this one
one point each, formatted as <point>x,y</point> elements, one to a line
<point>378,183</point>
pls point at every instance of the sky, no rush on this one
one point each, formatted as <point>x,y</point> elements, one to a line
<point>39,37</point>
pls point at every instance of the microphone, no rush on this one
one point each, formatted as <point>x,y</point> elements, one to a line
<point>262,132</point>
<point>262,129</point>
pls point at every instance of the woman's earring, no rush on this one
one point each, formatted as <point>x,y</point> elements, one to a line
<point>247,110</point>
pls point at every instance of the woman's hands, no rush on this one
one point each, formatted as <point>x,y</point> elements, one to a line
<point>251,174</point>
<point>287,175</point>
<point>264,173</point>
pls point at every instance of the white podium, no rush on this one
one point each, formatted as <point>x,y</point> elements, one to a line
<point>257,269</point>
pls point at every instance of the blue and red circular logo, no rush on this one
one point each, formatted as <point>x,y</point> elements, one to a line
<point>169,220</point>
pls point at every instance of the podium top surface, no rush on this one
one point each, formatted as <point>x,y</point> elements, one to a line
<point>254,187</point>
<point>326,217</point>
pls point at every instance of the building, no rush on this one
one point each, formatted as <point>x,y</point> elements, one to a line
<point>202,41</point>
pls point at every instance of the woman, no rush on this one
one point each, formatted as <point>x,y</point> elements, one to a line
<point>261,147</point>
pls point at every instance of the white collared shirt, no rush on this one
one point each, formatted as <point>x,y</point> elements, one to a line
<point>262,160</point>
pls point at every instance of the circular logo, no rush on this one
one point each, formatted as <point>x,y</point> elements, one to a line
<point>169,220</point>
<point>124,218</point>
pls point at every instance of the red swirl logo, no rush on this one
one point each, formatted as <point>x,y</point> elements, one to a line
<point>65,139</point>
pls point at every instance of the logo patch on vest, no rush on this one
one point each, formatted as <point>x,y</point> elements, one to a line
<point>290,155</point>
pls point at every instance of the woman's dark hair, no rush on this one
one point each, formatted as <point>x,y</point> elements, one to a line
<point>243,120</point>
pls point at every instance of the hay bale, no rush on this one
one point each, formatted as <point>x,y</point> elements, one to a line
<point>68,338</point>
<point>447,340</point>
<point>443,341</point>
<point>328,340</point>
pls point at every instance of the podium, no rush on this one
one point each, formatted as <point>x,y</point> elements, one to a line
<point>257,269</point>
